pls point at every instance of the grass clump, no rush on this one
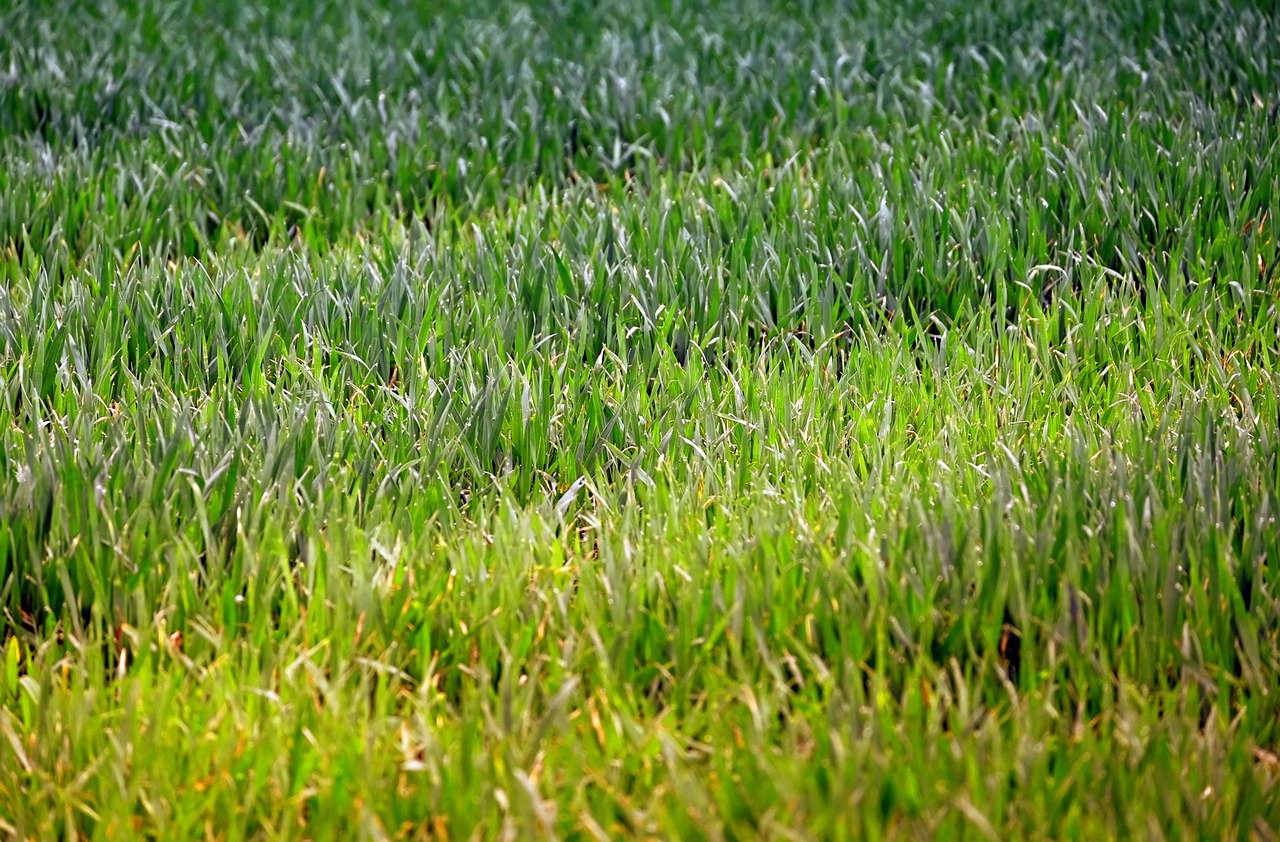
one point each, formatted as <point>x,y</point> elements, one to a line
<point>644,419</point>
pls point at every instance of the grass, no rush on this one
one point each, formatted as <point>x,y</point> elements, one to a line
<point>644,419</point>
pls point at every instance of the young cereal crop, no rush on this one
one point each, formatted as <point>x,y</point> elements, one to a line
<point>607,419</point>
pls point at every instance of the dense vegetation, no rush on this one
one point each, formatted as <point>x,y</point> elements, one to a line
<point>639,419</point>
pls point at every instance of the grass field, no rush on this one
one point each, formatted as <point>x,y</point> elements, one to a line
<point>639,419</point>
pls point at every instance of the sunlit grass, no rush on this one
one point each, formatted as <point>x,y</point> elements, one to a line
<point>639,419</point>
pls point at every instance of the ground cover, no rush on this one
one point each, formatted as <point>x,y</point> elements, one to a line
<point>639,419</point>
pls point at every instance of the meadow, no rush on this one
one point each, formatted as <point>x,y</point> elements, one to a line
<point>654,419</point>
